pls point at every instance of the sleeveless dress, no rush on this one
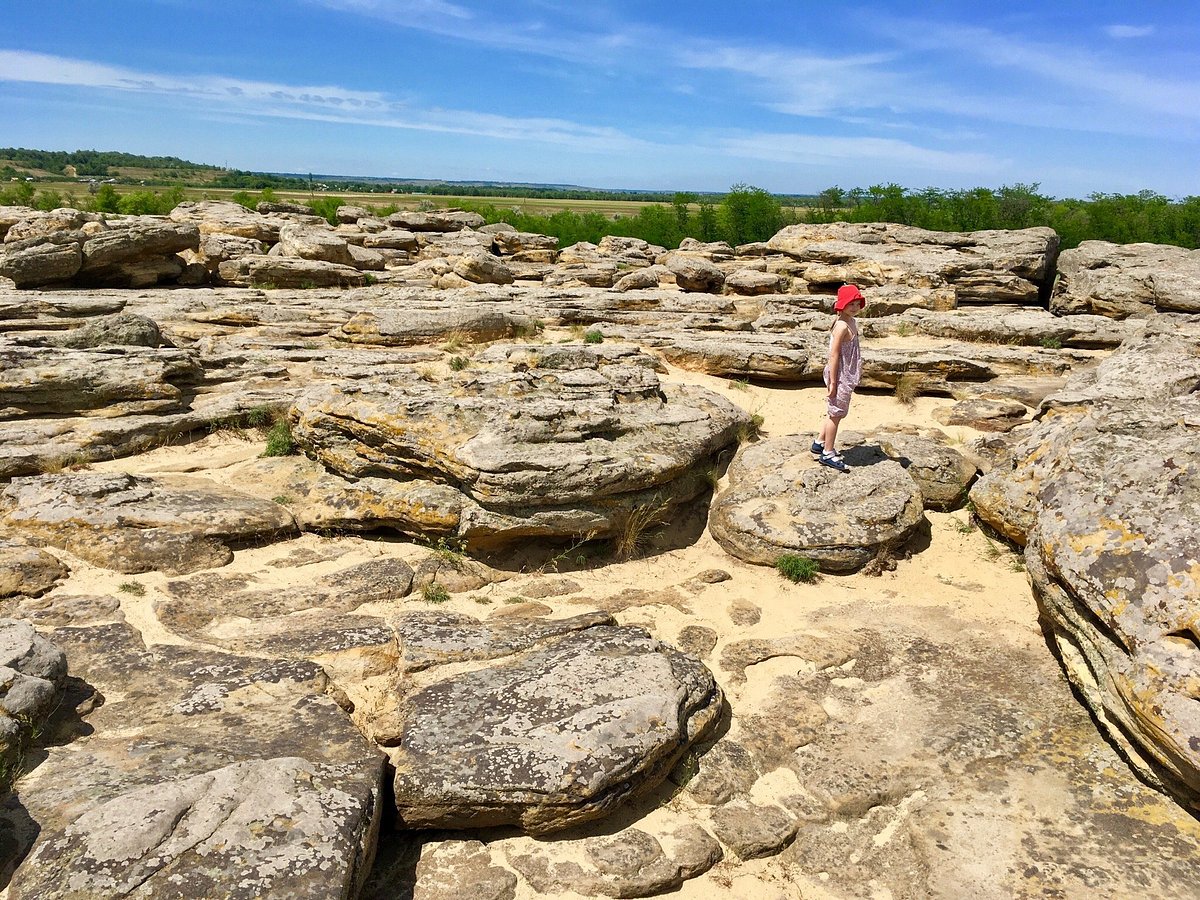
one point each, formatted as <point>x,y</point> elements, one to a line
<point>849,373</point>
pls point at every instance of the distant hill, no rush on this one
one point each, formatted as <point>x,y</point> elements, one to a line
<point>97,162</point>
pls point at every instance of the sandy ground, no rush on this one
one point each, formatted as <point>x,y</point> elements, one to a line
<point>977,579</point>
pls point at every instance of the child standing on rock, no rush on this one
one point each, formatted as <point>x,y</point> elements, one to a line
<point>842,373</point>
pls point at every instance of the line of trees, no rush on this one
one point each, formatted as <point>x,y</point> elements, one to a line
<point>86,162</point>
<point>1120,218</point>
<point>747,213</point>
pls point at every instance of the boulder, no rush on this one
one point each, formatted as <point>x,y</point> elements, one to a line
<point>32,671</point>
<point>779,501</point>
<point>195,774</point>
<point>120,330</point>
<point>351,214</point>
<point>39,261</point>
<point>40,225</point>
<point>121,256</point>
<point>512,242</point>
<point>694,273</point>
<point>1121,280</point>
<point>214,249</point>
<point>27,571</point>
<point>980,266</point>
<point>277,271</point>
<point>558,735</point>
<point>750,283</point>
<point>540,440</point>
<point>435,220</point>
<point>137,524</point>
<point>226,217</point>
<point>314,243</point>
<point>481,267</point>
<point>391,239</point>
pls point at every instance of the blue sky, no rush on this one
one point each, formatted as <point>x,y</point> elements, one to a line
<point>789,96</point>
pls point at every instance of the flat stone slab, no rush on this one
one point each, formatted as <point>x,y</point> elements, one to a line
<point>558,735</point>
<point>193,774</point>
<point>136,524</point>
<point>780,501</point>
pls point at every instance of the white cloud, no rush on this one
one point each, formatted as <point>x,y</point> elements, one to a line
<point>323,103</point>
<point>1128,31</point>
<point>804,149</point>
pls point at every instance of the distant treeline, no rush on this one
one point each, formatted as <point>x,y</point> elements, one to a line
<point>86,162</point>
<point>1120,218</point>
<point>258,181</point>
<point>747,213</point>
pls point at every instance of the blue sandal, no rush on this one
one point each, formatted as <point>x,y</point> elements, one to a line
<point>833,461</point>
<point>817,447</point>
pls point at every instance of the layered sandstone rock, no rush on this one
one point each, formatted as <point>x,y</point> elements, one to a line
<point>1121,280</point>
<point>980,266</point>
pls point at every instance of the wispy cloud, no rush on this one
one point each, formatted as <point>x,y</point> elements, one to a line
<point>805,149</point>
<point>323,103</point>
<point>1128,31</point>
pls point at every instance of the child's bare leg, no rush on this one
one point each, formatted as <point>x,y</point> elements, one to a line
<point>829,432</point>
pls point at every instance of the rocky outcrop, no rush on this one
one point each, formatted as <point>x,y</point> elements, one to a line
<point>487,747</point>
<point>27,571</point>
<point>32,671</point>
<point>201,774</point>
<point>781,502</point>
<point>979,266</point>
<point>136,524</point>
<point>1103,493</point>
<point>1121,280</point>
<point>565,456</point>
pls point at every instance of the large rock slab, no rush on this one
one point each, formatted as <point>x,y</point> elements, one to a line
<point>779,501</point>
<point>201,774</point>
<point>559,440</point>
<point>120,255</point>
<point>559,735</point>
<point>1103,492</point>
<point>26,570</point>
<point>57,382</point>
<point>32,671</point>
<point>312,242</point>
<point>980,266</point>
<point>137,524</point>
<point>1121,280</point>
<point>37,261</point>
<point>227,217</point>
<point>281,271</point>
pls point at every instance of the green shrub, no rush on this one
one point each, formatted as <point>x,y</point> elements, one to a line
<point>1051,343</point>
<point>279,440</point>
<point>593,337</point>
<point>797,569</point>
<point>458,363</point>
<point>259,416</point>
<point>435,592</point>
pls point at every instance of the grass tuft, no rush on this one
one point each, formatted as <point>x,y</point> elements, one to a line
<point>435,592</point>
<point>634,533</point>
<point>797,569</point>
<point>593,337</point>
<point>279,440</point>
<point>908,388</point>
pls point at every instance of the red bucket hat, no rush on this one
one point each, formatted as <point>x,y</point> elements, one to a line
<point>846,295</point>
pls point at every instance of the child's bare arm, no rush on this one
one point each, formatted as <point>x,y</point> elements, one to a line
<point>835,355</point>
